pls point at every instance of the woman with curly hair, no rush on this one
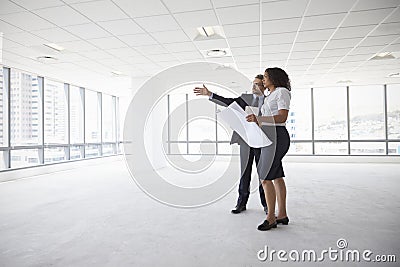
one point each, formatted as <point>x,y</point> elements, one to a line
<point>272,121</point>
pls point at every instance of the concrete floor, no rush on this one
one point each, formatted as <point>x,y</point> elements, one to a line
<point>97,216</point>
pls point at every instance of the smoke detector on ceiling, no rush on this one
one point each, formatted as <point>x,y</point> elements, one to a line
<point>216,52</point>
<point>46,59</point>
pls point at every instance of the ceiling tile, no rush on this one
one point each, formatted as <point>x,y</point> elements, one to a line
<point>162,57</point>
<point>281,25</point>
<point>100,10</point>
<point>27,21</point>
<point>123,52</point>
<point>395,17</point>
<point>121,27</point>
<point>151,49</point>
<point>244,41</point>
<point>379,40</point>
<point>107,43</point>
<point>307,46</point>
<point>170,36</point>
<point>276,48</point>
<point>142,8</point>
<point>283,9</point>
<point>112,62</point>
<point>9,44</point>
<point>62,16</point>
<point>387,28</point>
<point>137,60</point>
<point>158,23</point>
<point>189,55</point>
<point>37,4</point>
<point>180,47</point>
<point>352,32</point>
<point>197,18</point>
<point>228,3</point>
<point>96,54</point>
<point>366,17</point>
<point>322,22</point>
<point>55,35</point>
<point>247,58</point>
<point>26,39</point>
<point>278,38</point>
<point>241,29</point>
<point>243,51</point>
<point>373,4</point>
<point>238,14</point>
<point>184,6</point>
<point>78,46</point>
<point>87,31</point>
<point>362,50</point>
<point>316,35</point>
<point>303,54</point>
<point>211,44</point>
<point>138,39</point>
<point>7,7</point>
<point>7,28</point>
<point>321,7</point>
<point>343,43</point>
<point>334,52</point>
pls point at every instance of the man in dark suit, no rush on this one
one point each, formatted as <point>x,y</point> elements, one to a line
<point>247,154</point>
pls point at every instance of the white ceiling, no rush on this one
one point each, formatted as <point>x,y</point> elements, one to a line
<point>318,42</point>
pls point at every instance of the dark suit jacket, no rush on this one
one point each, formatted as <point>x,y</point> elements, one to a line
<point>243,101</point>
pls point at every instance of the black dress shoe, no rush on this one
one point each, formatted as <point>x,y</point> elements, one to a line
<point>265,226</point>
<point>238,210</point>
<point>284,221</point>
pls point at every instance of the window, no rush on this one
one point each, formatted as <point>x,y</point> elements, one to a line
<point>109,123</point>
<point>25,108</point>
<point>55,113</point>
<point>299,119</point>
<point>330,114</point>
<point>3,112</point>
<point>24,158</point>
<point>92,119</point>
<point>393,111</point>
<point>366,113</point>
<point>76,114</point>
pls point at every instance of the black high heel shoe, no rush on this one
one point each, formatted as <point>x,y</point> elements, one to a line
<point>265,226</point>
<point>284,221</point>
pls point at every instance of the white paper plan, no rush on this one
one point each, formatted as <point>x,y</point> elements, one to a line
<point>251,133</point>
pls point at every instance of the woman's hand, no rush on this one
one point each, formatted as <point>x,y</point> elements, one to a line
<point>252,118</point>
<point>202,91</point>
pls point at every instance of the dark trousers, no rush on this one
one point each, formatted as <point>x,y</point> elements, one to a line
<point>247,155</point>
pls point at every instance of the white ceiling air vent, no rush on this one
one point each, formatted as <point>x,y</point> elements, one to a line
<point>384,55</point>
<point>47,59</point>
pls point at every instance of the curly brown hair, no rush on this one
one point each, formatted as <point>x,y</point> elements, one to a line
<point>279,77</point>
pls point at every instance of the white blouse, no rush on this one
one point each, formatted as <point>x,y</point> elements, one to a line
<point>278,99</point>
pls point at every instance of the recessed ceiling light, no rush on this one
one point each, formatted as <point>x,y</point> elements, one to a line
<point>55,47</point>
<point>46,59</point>
<point>216,53</point>
<point>384,55</point>
<point>206,31</point>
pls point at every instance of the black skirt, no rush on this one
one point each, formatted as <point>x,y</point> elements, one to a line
<point>270,163</point>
